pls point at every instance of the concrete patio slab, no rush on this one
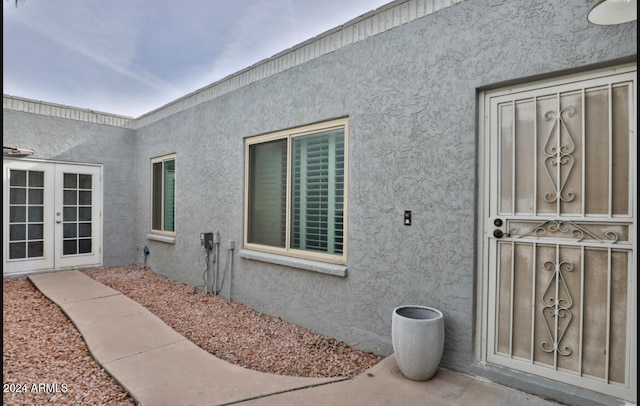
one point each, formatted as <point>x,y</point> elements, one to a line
<point>128,335</point>
<point>184,374</point>
<point>384,384</point>
<point>70,286</point>
<point>101,309</point>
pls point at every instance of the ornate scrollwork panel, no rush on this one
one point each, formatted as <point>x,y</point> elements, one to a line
<point>558,150</point>
<point>556,308</point>
<point>577,231</point>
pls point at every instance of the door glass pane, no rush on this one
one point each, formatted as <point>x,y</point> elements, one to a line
<point>84,197</point>
<point>36,179</point>
<point>84,182</point>
<point>77,213</point>
<point>17,250</point>
<point>70,197</point>
<point>84,230</point>
<point>36,196</point>
<point>26,213</point>
<point>84,214</point>
<point>36,249</point>
<point>17,232</point>
<point>84,246</point>
<point>70,181</point>
<point>69,247</point>
<point>18,178</point>
<point>18,196</point>
<point>17,213</point>
<point>36,214</point>
<point>36,231</point>
<point>69,214</point>
<point>69,230</point>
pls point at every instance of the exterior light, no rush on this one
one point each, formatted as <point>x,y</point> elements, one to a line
<point>611,12</point>
<point>17,151</point>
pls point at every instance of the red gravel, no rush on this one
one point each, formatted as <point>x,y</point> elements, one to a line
<point>41,346</point>
<point>44,358</point>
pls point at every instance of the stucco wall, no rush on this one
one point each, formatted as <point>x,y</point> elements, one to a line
<point>411,98</point>
<point>67,140</point>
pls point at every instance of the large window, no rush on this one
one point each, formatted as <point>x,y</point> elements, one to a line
<point>163,194</point>
<point>296,192</point>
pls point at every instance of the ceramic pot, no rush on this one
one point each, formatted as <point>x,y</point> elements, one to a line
<point>418,340</point>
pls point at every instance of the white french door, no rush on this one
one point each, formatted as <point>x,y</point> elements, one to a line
<point>559,230</point>
<point>52,215</point>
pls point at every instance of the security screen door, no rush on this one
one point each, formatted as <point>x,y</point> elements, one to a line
<point>52,215</point>
<point>560,231</point>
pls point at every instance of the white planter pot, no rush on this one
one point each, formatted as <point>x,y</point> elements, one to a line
<point>418,340</point>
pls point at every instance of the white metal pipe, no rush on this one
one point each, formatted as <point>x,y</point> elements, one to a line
<point>231,247</point>
<point>216,240</point>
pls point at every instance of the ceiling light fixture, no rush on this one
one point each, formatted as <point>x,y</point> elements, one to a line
<point>611,12</point>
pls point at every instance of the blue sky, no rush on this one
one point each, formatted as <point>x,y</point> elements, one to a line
<point>129,57</point>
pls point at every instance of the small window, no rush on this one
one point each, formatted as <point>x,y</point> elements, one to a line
<point>296,192</point>
<point>163,194</point>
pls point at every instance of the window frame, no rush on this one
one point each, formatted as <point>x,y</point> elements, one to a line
<point>162,231</point>
<point>289,135</point>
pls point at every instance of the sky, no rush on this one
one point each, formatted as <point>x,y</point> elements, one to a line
<point>129,57</point>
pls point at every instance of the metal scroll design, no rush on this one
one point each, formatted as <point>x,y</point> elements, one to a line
<point>556,310</point>
<point>565,226</point>
<point>558,149</point>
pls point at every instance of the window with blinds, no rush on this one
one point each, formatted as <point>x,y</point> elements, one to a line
<point>296,183</point>
<point>268,163</point>
<point>163,173</point>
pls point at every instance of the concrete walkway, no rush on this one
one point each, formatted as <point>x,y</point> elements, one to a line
<point>159,367</point>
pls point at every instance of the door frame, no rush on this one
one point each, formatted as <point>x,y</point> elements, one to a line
<point>54,259</point>
<point>483,264</point>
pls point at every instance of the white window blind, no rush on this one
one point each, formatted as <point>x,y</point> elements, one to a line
<point>318,192</point>
<point>169,195</point>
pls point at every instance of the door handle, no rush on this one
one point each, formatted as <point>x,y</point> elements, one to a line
<point>498,233</point>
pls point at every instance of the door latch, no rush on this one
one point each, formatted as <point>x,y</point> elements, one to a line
<point>497,232</point>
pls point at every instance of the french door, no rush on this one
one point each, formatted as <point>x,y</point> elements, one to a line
<point>52,215</point>
<point>559,230</point>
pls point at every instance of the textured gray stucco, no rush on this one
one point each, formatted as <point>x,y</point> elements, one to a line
<point>411,96</point>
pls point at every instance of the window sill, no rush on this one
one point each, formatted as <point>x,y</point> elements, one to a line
<point>161,238</point>
<point>314,266</point>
